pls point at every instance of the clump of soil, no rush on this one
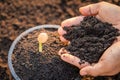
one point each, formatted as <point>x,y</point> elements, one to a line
<point>90,39</point>
<point>30,64</point>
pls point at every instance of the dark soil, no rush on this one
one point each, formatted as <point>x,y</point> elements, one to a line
<point>18,15</point>
<point>90,39</point>
<point>30,64</point>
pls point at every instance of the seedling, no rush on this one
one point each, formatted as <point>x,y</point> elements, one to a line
<point>42,38</point>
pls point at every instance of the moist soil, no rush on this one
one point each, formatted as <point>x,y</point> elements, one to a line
<point>30,64</point>
<point>90,39</point>
<point>17,16</point>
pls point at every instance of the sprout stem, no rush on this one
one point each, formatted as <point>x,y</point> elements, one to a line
<point>42,38</point>
<point>40,47</point>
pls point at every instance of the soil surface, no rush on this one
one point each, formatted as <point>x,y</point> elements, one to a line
<point>30,64</point>
<point>17,16</point>
<point>90,39</point>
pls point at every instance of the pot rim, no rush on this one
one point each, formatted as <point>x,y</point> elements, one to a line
<point>16,77</point>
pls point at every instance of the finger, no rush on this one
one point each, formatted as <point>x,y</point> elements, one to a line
<point>117,26</point>
<point>110,73</point>
<point>100,72</point>
<point>84,65</point>
<point>72,21</point>
<point>61,31</point>
<point>63,51</point>
<point>63,39</point>
<point>72,60</point>
<point>117,39</point>
<point>95,70</point>
<point>89,10</point>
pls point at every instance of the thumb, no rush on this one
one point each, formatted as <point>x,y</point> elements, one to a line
<point>95,70</point>
<point>90,10</point>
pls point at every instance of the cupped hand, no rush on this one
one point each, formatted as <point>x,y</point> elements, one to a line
<point>68,23</point>
<point>109,63</point>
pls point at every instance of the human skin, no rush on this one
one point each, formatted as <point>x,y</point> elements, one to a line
<point>109,63</point>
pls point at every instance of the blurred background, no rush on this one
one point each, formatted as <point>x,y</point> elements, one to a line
<point>17,16</point>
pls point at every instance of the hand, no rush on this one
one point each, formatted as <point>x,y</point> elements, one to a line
<point>109,63</point>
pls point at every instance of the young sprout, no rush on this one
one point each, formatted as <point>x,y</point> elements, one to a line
<point>42,38</point>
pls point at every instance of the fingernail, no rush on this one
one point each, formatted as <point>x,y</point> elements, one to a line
<point>61,51</point>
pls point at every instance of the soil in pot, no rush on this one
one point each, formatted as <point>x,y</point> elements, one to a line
<point>30,64</point>
<point>90,39</point>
